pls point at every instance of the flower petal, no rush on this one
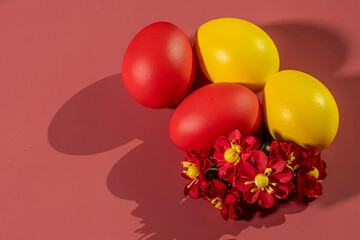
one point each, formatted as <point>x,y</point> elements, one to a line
<point>216,189</point>
<point>230,175</point>
<point>321,166</point>
<point>235,136</point>
<point>248,146</point>
<point>246,155</point>
<point>186,157</point>
<point>266,200</point>
<point>276,164</point>
<point>221,144</point>
<point>233,214</point>
<point>317,190</point>
<point>274,149</point>
<point>219,157</point>
<point>250,142</point>
<point>308,186</point>
<point>230,199</point>
<point>240,184</point>
<point>185,176</point>
<point>225,212</point>
<point>205,165</point>
<point>220,186</point>
<point>282,177</point>
<point>260,160</point>
<point>222,172</point>
<point>251,197</point>
<point>192,191</point>
<point>195,161</point>
<point>237,206</point>
<point>247,170</point>
<point>204,183</point>
<point>282,191</point>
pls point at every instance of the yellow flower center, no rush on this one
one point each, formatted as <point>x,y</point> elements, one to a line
<point>216,202</point>
<point>232,154</point>
<point>261,180</point>
<point>192,172</point>
<point>314,173</point>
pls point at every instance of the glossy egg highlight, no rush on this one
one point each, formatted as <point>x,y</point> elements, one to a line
<point>159,65</point>
<point>298,108</point>
<point>212,111</point>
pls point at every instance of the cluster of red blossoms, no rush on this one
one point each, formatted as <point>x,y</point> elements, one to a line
<point>236,173</point>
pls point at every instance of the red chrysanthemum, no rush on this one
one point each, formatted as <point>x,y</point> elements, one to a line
<point>292,154</point>
<point>229,151</point>
<point>310,175</point>
<point>196,164</point>
<point>264,179</point>
<point>226,200</point>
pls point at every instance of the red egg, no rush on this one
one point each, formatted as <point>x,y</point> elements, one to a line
<point>213,111</point>
<point>158,66</point>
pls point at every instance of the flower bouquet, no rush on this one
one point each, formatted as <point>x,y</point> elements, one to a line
<point>239,171</point>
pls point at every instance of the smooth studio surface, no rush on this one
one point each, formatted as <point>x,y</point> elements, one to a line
<point>80,159</point>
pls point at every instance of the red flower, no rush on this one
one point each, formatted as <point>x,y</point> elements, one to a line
<point>226,200</point>
<point>264,179</point>
<point>309,177</point>
<point>231,150</point>
<point>231,206</point>
<point>215,191</point>
<point>292,154</point>
<point>196,163</point>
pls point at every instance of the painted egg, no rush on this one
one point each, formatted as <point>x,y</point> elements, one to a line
<point>212,111</point>
<point>298,108</point>
<point>158,66</point>
<point>235,50</point>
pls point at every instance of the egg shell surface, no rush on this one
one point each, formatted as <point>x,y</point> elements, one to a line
<point>212,111</point>
<point>159,65</point>
<point>235,50</point>
<point>300,109</point>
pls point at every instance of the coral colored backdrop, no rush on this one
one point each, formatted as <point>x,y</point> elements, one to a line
<point>80,159</point>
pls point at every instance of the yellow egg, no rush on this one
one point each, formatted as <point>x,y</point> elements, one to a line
<point>234,50</point>
<point>300,109</point>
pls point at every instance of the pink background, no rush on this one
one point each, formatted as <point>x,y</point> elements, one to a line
<point>80,159</point>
